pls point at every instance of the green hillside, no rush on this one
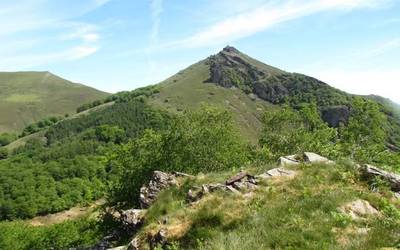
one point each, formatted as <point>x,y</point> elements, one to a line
<point>26,97</point>
<point>221,115</point>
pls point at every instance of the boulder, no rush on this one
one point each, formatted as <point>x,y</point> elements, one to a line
<point>289,160</point>
<point>392,178</point>
<point>359,208</point>
<point>277,172</point>
<point>315,158</point>
<point>159,182</point>
<point>132,219</point>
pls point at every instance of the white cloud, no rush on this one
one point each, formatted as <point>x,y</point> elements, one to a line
<point>385,83</point>
<point>266,16</point>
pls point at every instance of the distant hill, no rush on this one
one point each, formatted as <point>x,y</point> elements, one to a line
<point>26,97</point>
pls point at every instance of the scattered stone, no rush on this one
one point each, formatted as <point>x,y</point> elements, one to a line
<point>236,178</point>
<point>392,178</point>
<point>245,185</point>
<point>132,219</point>
<point>289,160</point>
<point>358,209</point>
<point>315,158</point>
<point>397,195</point>
<point>277,172</point>
<point>232,189</point>
<point>159,182</point>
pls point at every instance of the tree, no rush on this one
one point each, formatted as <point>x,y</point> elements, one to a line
<point>200,141</point>
<point>366,132</point>
<point>287,131</point>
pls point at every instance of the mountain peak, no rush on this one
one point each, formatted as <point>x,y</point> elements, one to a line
<point>230,49</point>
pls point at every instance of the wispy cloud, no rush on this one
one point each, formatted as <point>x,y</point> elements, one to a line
<point>156,9</point>
<point>48,29</point>
<point>267,16</point>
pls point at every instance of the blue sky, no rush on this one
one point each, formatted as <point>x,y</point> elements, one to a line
<point>118,45</point>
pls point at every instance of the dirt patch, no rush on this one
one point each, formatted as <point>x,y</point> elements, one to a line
<point>70,214</point>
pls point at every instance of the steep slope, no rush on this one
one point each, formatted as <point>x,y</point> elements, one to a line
<point>189,89</point>
<point>248,87</point>
<point>26,97</point>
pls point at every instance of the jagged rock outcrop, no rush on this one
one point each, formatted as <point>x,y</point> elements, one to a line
<point>335,115</point>
<point>132,219</point>
<point>158,182</point>
<point>240,182</point>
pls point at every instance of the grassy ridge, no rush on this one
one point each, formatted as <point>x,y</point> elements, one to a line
<point>26,97</point>
<point>188,90</point>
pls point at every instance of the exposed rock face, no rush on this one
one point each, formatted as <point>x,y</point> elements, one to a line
<point>335,115</point>
<point>159,182</point>
<point>270,91</point>
<point>240,182</point>
<point>358,209</point>
<point>132,219</point>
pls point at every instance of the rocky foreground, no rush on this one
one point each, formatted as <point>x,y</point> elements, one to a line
<point>243,186</point>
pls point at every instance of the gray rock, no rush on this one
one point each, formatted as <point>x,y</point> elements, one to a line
<point>315,158</point>
<point>132,219</point>
<point>277,172</point>
<point>232,189</point>
<point>159,182</point>
<point>358,209</point>
<point>392,178</point>
<point>289,160</point>
<point>237,178</point>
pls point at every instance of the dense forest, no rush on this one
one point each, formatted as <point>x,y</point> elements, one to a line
<point>67,167</point>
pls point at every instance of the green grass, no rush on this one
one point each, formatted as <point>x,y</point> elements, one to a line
<point>26,97</point>
<point>188,90</point>
<point>299,213</point>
